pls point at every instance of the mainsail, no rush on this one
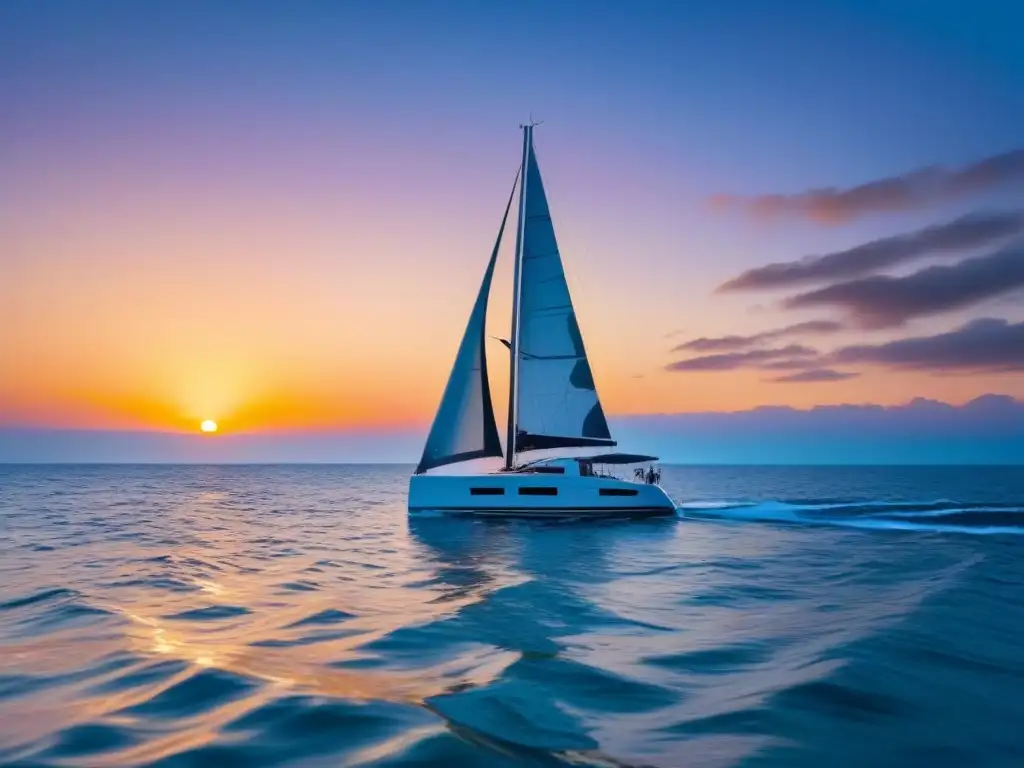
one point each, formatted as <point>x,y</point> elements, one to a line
<point>464,426</point>
<point>557,402</point>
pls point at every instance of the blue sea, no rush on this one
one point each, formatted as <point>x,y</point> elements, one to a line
<point>294,615</point>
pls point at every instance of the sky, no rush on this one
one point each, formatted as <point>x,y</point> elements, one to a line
<point>276,215</point>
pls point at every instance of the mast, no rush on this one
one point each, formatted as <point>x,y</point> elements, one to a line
<point>517,284</point>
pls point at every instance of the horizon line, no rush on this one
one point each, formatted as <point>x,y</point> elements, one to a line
<point>795,465</point>
<point>423,426</point>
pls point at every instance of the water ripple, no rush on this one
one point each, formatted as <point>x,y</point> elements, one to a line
<point>193,616</point>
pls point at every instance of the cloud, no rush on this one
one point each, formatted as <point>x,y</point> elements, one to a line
<point>912,190</point>
<point>986,344</point>
<point>987,430</point>
<point>815,375</point>
<point>730,343</point>
<point>887,302</point>
<point>971,231</point>
<point>732,361</point>
<point>792,364</point>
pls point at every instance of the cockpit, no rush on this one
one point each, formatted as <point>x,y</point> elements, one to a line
<point>602,465</point>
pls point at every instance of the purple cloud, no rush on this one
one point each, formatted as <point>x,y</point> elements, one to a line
<point>812,375</point>
<point>986,344</point>
<point>888,302</point>
<point>972,231</point>
<point>734,360</point>
<point>915,189</point>
<point>730,343</point>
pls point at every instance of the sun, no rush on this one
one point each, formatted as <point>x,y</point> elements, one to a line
<point>208,426</point>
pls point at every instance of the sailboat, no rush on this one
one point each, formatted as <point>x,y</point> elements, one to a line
<point>553,401</point>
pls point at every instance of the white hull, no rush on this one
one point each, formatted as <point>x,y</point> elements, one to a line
<point>517,494</point>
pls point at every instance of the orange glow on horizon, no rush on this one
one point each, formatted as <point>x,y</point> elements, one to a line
<point>282,308</point>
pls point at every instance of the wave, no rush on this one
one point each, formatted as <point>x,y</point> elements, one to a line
<point>183,628</point>
<point>936,516</point>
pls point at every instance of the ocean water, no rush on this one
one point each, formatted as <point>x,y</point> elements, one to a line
<point>222,616</point>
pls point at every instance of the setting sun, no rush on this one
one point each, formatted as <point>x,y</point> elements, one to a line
<point>208,426</point>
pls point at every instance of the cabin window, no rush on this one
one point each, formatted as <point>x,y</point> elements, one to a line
<point>548,470</point>
<point>617,491</point>
<point>537,491</point>
<point>486,491</point>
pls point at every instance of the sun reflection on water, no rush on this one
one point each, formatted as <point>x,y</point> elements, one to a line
<point>163,610</point>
